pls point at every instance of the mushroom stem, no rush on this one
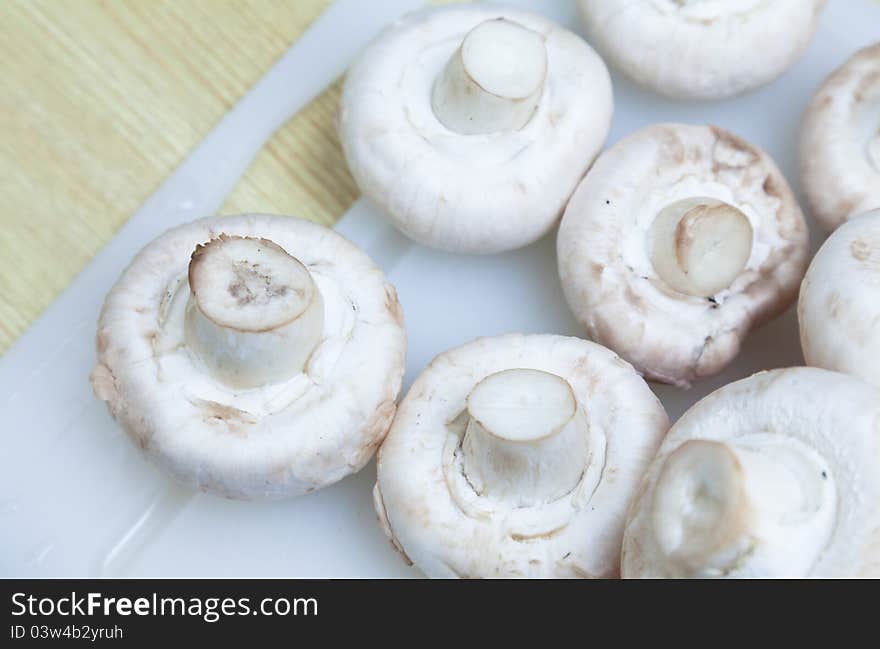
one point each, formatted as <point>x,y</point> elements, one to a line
<point>254,315</point>
<point>526,440</point>
<point>699,246</point>
<point>494,80</point>
<point>716,503</point>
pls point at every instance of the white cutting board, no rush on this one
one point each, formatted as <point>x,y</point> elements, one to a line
<point>78,500</point>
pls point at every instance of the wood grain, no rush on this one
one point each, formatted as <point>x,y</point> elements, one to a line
<point>101,99</point>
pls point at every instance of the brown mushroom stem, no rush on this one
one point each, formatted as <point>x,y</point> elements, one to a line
<point>254,315</point>
<point>494,80</point>
<point>715,503</point>
<point>527,439</point>
<point>699,246</point>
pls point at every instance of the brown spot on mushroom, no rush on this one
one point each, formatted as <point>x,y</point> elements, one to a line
<point>824,102</point>
<point>771,187</point>
<point>235,420</point>
<point>542,536</point>
<point>672,151</point>
<point>392,304</point>
<point>376,429</point>
<point>861,250</point>
<point>731,151</point>
<point>104,385</point>
<point>251,286</point>
<point>141,435</point>
<point>866,251</point>
<point>868,86</point>
<point>279,476</point>
<point>102,341</point>
<point>399,548</point>
<point>636,301</point>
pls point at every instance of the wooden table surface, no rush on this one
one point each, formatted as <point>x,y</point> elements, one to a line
<point>101,99</point>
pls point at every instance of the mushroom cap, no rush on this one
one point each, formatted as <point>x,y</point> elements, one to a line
<point>438,521</point>
<point>830,414</point>
<point>701,50</point>
<point>282,439</point>
<point>470,193</point>
<point>840,142</point>
<point>607,274</point>
<point>839,305</point>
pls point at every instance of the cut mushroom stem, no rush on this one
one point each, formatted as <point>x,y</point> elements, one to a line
<point>715,502</point>
<point>700,245</point>
<point>526,440</point>
<point>254,314</point>
<point>494,80</point>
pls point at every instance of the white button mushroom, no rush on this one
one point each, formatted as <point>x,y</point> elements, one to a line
<point>472,125</point>
<point>777,475</point>
<point>252,356</point>
<point>679,241</point>
<point>839,305</point>
<point>701,49</point>
<point>517,456</point>
<point>840,142</point>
